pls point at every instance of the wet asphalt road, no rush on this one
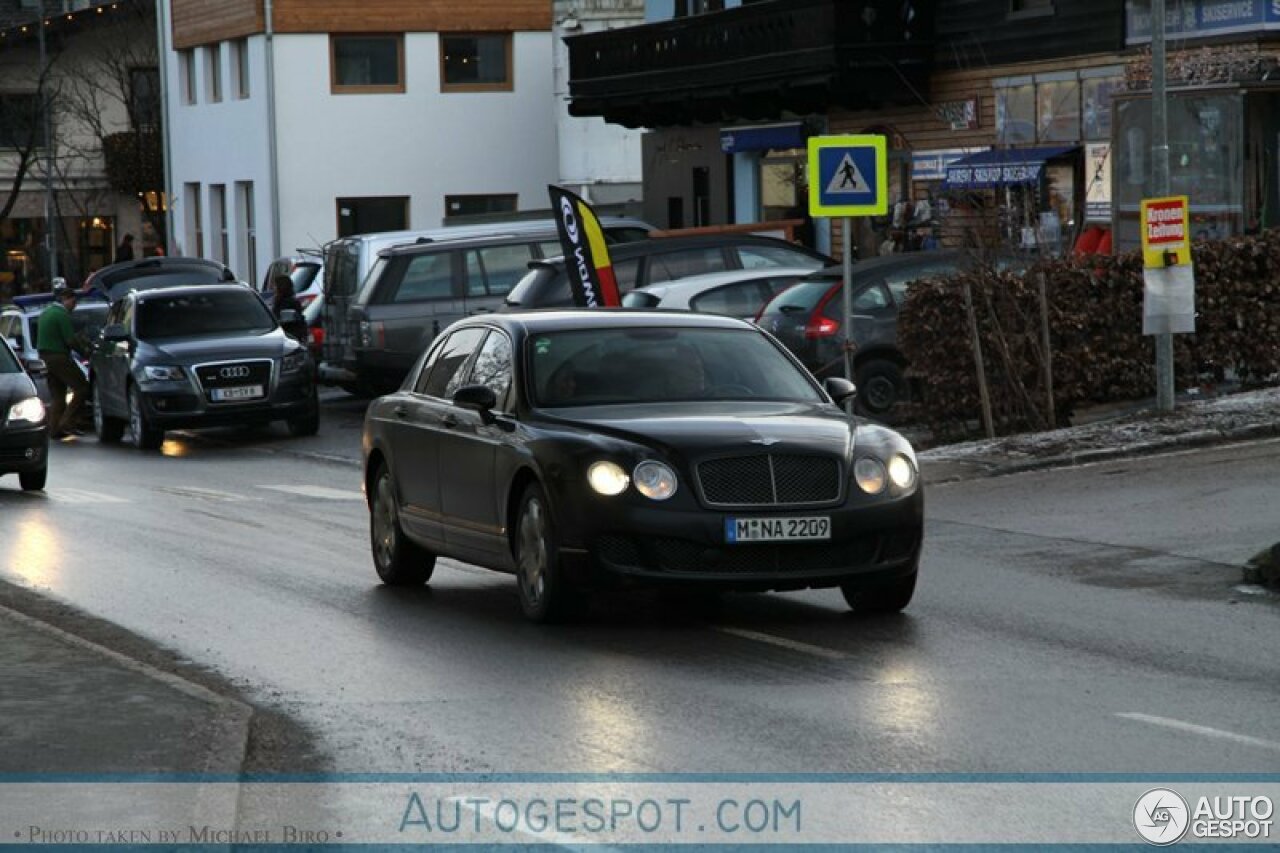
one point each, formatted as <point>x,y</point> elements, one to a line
<point>1081,620</point>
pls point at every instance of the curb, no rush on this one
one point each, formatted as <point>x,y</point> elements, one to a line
<point>984,467</point>
<point>230,741</point>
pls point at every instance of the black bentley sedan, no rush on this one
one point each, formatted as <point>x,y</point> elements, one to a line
<point>201,356</point>
<point>24,428</point>
<point>575,448</point>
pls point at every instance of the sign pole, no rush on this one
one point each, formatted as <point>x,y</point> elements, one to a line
<point>846,259</point>
<point>1160,182</point>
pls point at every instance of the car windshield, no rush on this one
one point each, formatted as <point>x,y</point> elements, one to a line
<point>224,312</point>
<point>8,364</point>
<point>618,366</point>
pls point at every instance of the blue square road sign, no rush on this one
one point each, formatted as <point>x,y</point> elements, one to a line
<point>848,176</point>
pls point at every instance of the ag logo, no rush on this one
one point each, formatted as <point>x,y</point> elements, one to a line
<point>1161,817</point>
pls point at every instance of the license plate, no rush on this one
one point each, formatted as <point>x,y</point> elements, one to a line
<point>777,529</point>
<point>240,392</point>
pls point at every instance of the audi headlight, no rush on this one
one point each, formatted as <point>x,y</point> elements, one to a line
<point>654,480</point>
<point>608,478</point>
<point>162,373</point>
<point>30,410</point>
<point>901,472</point>
<point>870,474</point>
<point>294,361</point>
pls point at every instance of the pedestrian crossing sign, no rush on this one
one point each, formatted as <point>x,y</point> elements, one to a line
<point>847,176</point>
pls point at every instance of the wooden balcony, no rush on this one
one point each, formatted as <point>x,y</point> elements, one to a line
<point>754,62</point>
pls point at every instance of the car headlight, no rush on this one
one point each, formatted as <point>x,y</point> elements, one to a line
<point>30,410</point>
<point>901,472</point>
<point>608,478</point>
<point>162,373</point>
<point>654,480</point>
<point>870,474</point>
<point>294,361</point>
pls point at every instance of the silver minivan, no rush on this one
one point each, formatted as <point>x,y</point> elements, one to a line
<point>379,316</point>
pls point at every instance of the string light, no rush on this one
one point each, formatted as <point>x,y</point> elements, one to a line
<point>49,22</point>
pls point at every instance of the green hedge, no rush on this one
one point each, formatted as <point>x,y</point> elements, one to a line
<point>1095,315</point>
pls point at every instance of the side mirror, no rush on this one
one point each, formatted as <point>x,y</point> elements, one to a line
<point>839,389</point>
<point>115,333</point>
<point>290,316</point>
<point>478,397</point>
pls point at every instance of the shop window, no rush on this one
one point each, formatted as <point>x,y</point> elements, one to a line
<point>366,64</point>
<point>1097,93</point>
<point>475,62</point>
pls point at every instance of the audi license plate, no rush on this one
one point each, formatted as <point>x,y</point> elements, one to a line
<point>240,392</point>
<point>777,529</point>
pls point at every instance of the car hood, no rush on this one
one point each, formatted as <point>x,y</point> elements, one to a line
<point>197,350</point>
<point>700,429</point>
<point>14,387</point>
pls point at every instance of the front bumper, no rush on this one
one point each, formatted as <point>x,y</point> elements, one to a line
<point>176,405</point>
<point>869,544</point>
<point>23,449</point>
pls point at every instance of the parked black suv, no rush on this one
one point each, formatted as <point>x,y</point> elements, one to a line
<point>660,259</point>
<point>190,357</point>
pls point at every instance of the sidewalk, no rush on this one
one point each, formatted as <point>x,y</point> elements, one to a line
<point>69,706</point>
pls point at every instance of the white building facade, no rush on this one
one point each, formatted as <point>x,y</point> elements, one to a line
<point>295,122</point>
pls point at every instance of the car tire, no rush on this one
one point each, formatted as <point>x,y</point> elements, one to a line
<point>33,481</point>
<point>545,595</point>
<point>108,429</point>
<point>398,560</point>
<point>145,436</point>
<point>308,424</point>
<point>881,386</point>
<point>890,597</point>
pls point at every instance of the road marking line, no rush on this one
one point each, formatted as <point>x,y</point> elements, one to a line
<point>82,496</point>
<point>205,494</point>
<point>318,492</point>
<point>1179,725</point>
<point>783,642</point>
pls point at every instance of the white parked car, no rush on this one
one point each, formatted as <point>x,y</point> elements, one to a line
<point>731,293</point>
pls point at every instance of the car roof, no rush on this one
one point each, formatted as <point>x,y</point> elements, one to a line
<point>569,319</point>
<point>520,227</point>
<point>654,245</point>
<point>703,281</point>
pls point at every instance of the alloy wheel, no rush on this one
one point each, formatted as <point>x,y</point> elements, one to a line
<point>384,521</point>
<point>533,551</point>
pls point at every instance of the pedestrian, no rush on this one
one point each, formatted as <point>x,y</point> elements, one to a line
<point>124,252</point>
<point>56,341</point>
<point>284,300</point>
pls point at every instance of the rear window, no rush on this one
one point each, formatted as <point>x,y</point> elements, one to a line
<point>303,276</point>
<point>230,312</point>
<point>804,297</point>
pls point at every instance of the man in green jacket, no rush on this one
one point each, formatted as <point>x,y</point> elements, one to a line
<point>55,340</point>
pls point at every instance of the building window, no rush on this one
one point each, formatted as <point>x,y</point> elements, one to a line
<point>240,68</point>
<point>187,75</point>
<point>1016,113</point>
<point>369,215</point>
<point>1058,110</point>
<point>366,64</point>
<point>1030,7</point>
<point>248,231</point>
<point>20,120</point>
<point>218,218</point>
<point>474,205</point>
<point>475,63</point>
<point>195,222</point>
<point>1097,93</point>
<point>213,68</point>
<point>144,98</point>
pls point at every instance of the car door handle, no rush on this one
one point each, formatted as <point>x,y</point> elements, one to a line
<point>449,421</point>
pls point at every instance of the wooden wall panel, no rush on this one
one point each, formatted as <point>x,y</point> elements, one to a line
<point>372,16</point>
<point>197,22</point>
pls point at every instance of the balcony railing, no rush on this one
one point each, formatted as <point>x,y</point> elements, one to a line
<point>840,51</point>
